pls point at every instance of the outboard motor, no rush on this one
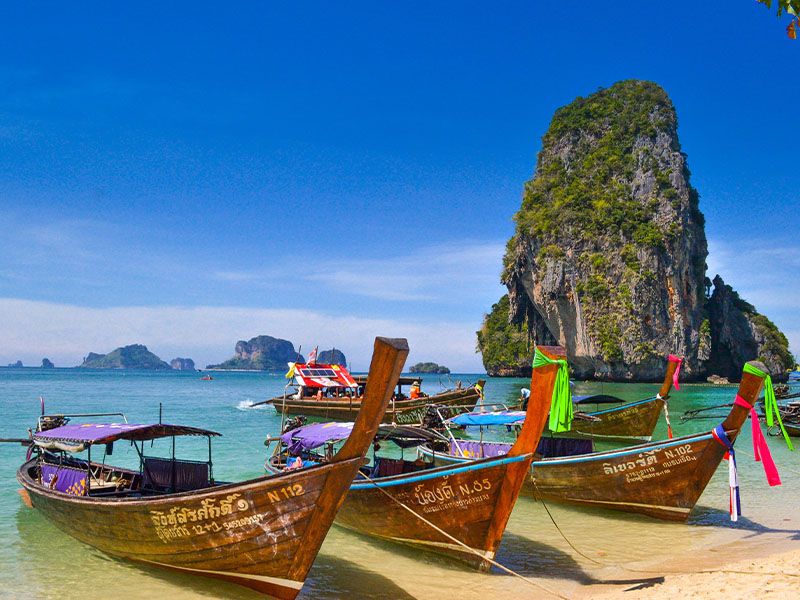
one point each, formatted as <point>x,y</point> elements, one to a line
<point>432,419</point>
<point>294,423</point>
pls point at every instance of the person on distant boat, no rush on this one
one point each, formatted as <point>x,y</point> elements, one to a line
<point>415,391</point>
<point>524,394</point>
<point>319,394</point>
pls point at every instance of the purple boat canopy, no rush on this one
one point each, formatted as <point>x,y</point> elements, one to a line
<point>315,435</point>
<point>482,419</point>
<point>75,438</point>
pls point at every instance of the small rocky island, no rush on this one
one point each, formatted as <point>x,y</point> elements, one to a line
<point>16,365</point>
<point>135,356</point>
<point>47,364</point>
<point>609,255</point>
<point>261,353</point>
<point>332,357</point>
<point>182,364</point>
<point>428,367</point>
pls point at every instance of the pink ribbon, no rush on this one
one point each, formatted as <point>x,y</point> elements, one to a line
<point>679,360</point>
<point>760,448</point>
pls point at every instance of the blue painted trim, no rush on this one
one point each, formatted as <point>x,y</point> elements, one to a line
<point>439,472</point>
<point>623,407</point>
<point>596,456</point>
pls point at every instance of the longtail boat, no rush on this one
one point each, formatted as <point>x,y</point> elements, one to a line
<point>459,511</point>
<point>659,479</point>
<point>263,533</point>
<point>633,420</point>
<point>331,392</point>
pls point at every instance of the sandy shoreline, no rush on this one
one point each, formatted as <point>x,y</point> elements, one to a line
<point>765,573</point>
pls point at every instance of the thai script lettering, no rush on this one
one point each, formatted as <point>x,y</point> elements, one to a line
<point>438,494</point>
<point>642,460</point>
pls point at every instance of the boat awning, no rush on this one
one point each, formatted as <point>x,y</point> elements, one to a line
<point>597,399</point>
<point>323,376</point>
<point>315,435</point>
<point>77,437</point>
<point>499,417</point>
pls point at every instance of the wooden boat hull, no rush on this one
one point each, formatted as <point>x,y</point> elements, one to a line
<point>403,412</point>
<point>660,479</point>
<point>793,429</point>
<point>263,534</point>
<point>470,502</point>
<point>635,420</point>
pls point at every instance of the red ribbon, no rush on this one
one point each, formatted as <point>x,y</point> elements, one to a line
<point>760,448</point>
<point>679,360</point>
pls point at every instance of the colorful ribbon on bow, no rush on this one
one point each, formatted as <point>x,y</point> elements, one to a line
<point>760,448</point>
<point>679,361</point>
<point>770,402</point>
<point>735,505</point>
<point>561,410</point>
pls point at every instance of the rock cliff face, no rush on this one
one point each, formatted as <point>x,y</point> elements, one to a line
<point>135,356</point>
<point>739,333</point>
<point>608,257</point>
<point>332,357</point>
<point>261,353</point>
<point>182,364</point>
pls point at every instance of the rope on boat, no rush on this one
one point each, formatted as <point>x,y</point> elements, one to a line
<point>462,544</point>
<point>652,571</point>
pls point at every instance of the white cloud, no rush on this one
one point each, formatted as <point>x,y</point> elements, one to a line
<point>764,273</point>
<point>30,330</point>
<point>430,273</point>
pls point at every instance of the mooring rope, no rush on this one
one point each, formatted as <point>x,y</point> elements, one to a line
<point>650,571</point>
<point>462,544</point>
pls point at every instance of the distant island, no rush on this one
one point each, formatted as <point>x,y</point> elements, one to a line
<point>182,364</point>
<point>429,367</point>
<point>332,357</point>
<point>261,353</point>
<point>135,356</point>
<point>16,365</point>
<point>47,364</point>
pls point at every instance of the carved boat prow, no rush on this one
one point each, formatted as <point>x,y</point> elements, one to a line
<point>457,511</point>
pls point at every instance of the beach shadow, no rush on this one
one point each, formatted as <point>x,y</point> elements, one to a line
<point>701,516</point>
<point>705,516</point>
<point>333,578</point>
<point>534,559</point>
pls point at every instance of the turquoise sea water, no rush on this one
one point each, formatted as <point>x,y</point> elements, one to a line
<point>38,561</point>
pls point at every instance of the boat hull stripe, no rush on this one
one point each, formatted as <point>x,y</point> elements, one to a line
<point>440,473</point>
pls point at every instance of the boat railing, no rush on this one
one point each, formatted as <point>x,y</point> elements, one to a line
<point>45,422</point>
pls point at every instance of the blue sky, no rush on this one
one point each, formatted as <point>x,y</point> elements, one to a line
<point>190,175</point>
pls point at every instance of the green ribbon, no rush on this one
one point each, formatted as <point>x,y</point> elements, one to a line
<point>770,402</point>
<point>561,410</point>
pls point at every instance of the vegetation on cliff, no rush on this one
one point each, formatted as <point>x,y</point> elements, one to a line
<point>428,367</point>
<point>608,255</point>
<point>506,347</point>
<point>135,356</point>
<point>261,353</point>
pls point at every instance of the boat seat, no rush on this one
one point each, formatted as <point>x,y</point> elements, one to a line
<point>386,467</point>
<point>164,474</point>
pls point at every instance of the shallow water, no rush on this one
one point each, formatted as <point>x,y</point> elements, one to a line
<point>37,560</point>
